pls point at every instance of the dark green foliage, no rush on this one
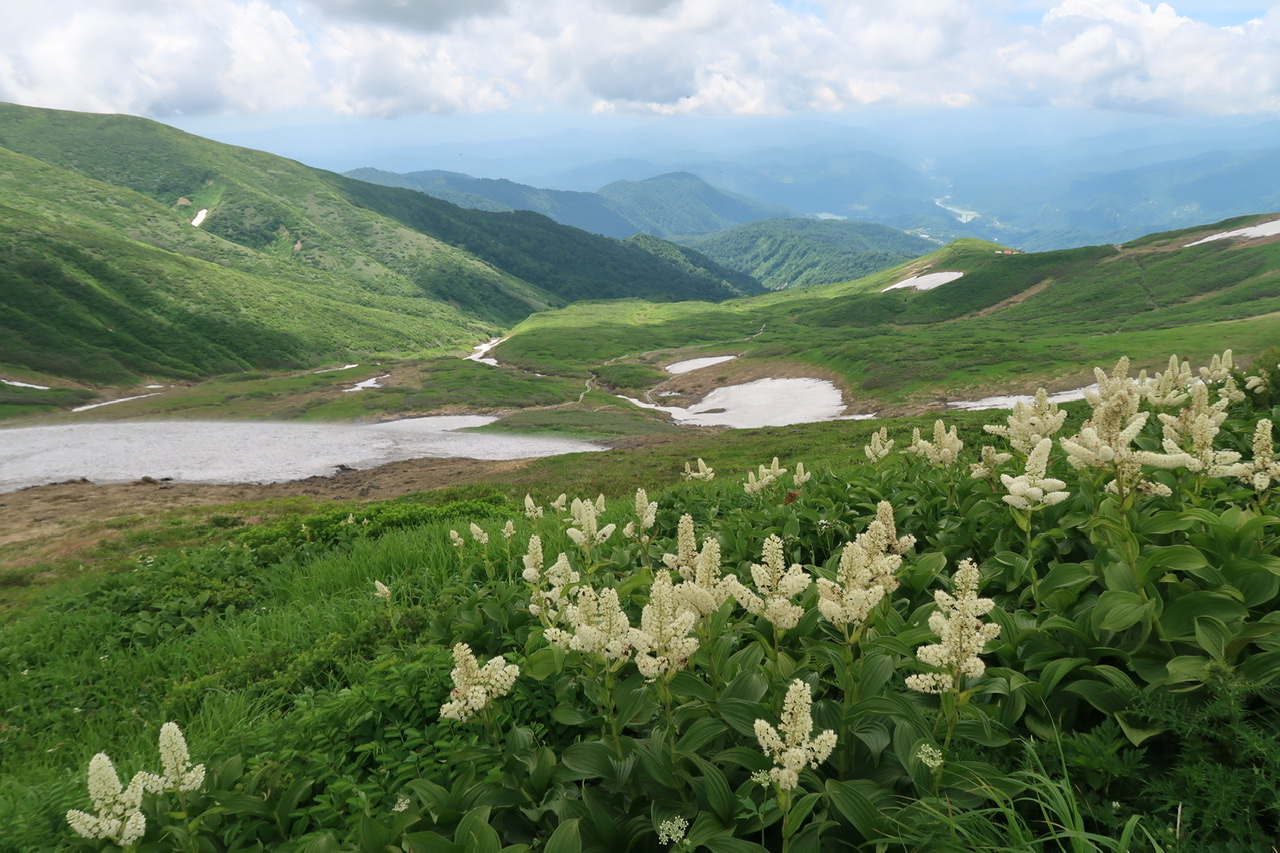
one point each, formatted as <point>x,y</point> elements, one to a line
<point>681,203</point>
<point>785,253</point>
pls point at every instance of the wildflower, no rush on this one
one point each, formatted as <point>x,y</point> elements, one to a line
<point>789,745</point>
<point>508,530</point>
<point>646,516</point>
<point>1105,439</point>
<point>458,541</point>
<point>988,463</point>
<point>1219,369</point>
<point>1170,388</point>
<point>550,594</point>
<point>532,511</point>
<point>586,531</point>
<point>867,572</point>
<point>962,632</point>
<point>559,503</point>
<point>704,472</point>
<point>776,584</point>
<point>1030,422</point>
<point>475,686</point>
<point>1191,433</point>
<point>175,762</point>
<point>879,446</point>
<point>671,831</point>
<point>662,642</point>
<point>1264,469</point>
<point>686,547</point>
<point>801,476</point>
<point>402,803</point>
<point>930,756</point>
<point>478,534</point>
<point>943,451</point>
<point>762,478</point>
<point>380,590</point>
<point>1033,490</point>
<point>118,809</point>
<point>599,625</point>
<point>704,589</point>
<point>761,777</point>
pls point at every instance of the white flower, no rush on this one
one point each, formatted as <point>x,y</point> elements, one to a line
<point>943,451</point>
<point>1033,490</point>
<point>672,830</point>
<point>789,745</point>
<point>1264,469</point>
<point>508,530</point>
<point>478,534</point>
<point>930,756</point>
<point>776,585</point>
<point>879,446</point>
<point>703,473</point>
<point>662,642</point>
<point>599,625</point>
<point>867,572</point>
<point>762,477</point>
<point>380,590</point>
<point>532,511</point>
<point>457,540</point>
<point>586,531</point>
<point>962,633</point>
<point>175,762</point>
<point>474,686</point>
<point>402,803</point>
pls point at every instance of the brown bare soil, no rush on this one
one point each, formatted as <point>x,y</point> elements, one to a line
<point>61,520</point>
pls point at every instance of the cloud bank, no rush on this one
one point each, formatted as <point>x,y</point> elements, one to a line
<point>385,58</point>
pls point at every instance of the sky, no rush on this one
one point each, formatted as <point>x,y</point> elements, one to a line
<point>316,64</point>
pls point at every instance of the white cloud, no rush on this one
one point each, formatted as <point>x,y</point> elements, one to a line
<point>396,57</point>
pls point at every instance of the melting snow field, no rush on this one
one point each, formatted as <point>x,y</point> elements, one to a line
<point>204,211</point>
<point>481,352</point>
<point>1009,402</point>
<point>113,402</point>
<point>765,402</point>
<point>928,281</point>
<point>698,363</point>
<point>1266,229</point>
<point>240,452</point>
<point>15,383</point>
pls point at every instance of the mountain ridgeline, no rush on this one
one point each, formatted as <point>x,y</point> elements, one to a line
<point>108,280</point>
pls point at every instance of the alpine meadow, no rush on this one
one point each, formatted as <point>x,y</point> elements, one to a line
<point>1017,588</point>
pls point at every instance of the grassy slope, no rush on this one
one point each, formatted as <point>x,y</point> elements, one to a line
<point>1013,321</point>
<point>454,274</point>
<point>785,253</point>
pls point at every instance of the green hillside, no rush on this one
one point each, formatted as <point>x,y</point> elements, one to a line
<point>784,253</point>
<point>1012,322</point>
<point>290,264</point>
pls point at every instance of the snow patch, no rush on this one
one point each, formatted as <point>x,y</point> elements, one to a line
<point>1266,229</point>
<point>480,353</point>
<point>204,211</point>
<point>332,369</point>
<point>15,383</point>
<point>1008,402</point>
<point>928,281</point>
<point>764,402</point>
<point>698,363</point>
<point>368,383</point>
<point>113,402</point>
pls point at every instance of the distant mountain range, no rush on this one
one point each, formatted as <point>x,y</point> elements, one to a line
<point>663,205</point>
<point>107,275</point>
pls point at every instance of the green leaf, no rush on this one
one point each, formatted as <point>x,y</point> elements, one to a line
<point>1213,635</point>
<point>740,714</point>
<point>565,839</point>
<point>1064,576</point>
<point>700,734</point>
<point>1057,669</point>
<point>1178,619</point>
<point>428,842</point>
<point>1184,668</point>
<point>374,834</point>
<point>475,834</point>
<point>1136,735</point>
<point>1261,669</point>
<point>859,801</point>
<point>720,796</point>
<point>569,715</point>
<point>588,760</point>
<point>729,844</point>
<point>1117,610</point>
<point>800,811</point>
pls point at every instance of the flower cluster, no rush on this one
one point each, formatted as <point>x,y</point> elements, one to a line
<point>942,452</point>
<point>1265,469</point>
<point>595,624</point>
<point>672,830</point>
<point>646,516</point>
<point>1030,422</point>
<point>703,587</point>
<point>532,511</point>
<point>962,633</point>
<point>776,585</point>
<point>474,686</point>
<point>586,531</point>
<point>1194,429</point>
<point>867,573</point>
<point>762,478</point>
<point>879,446</point>
<point>789,745</point>
<point>704,472</point>
<point>550,587</point>
<point>1033,490</point>
<point>118,808</point>
<point>663,645</point>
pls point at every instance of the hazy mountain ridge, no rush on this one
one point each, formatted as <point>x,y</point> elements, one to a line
<point>662,205</point>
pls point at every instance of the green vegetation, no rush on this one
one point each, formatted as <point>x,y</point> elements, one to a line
<point>292,266</point>
<point>681,203</point>
<point>1118,699</point>
<point>1014,321</point>
<point>783,253</point>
